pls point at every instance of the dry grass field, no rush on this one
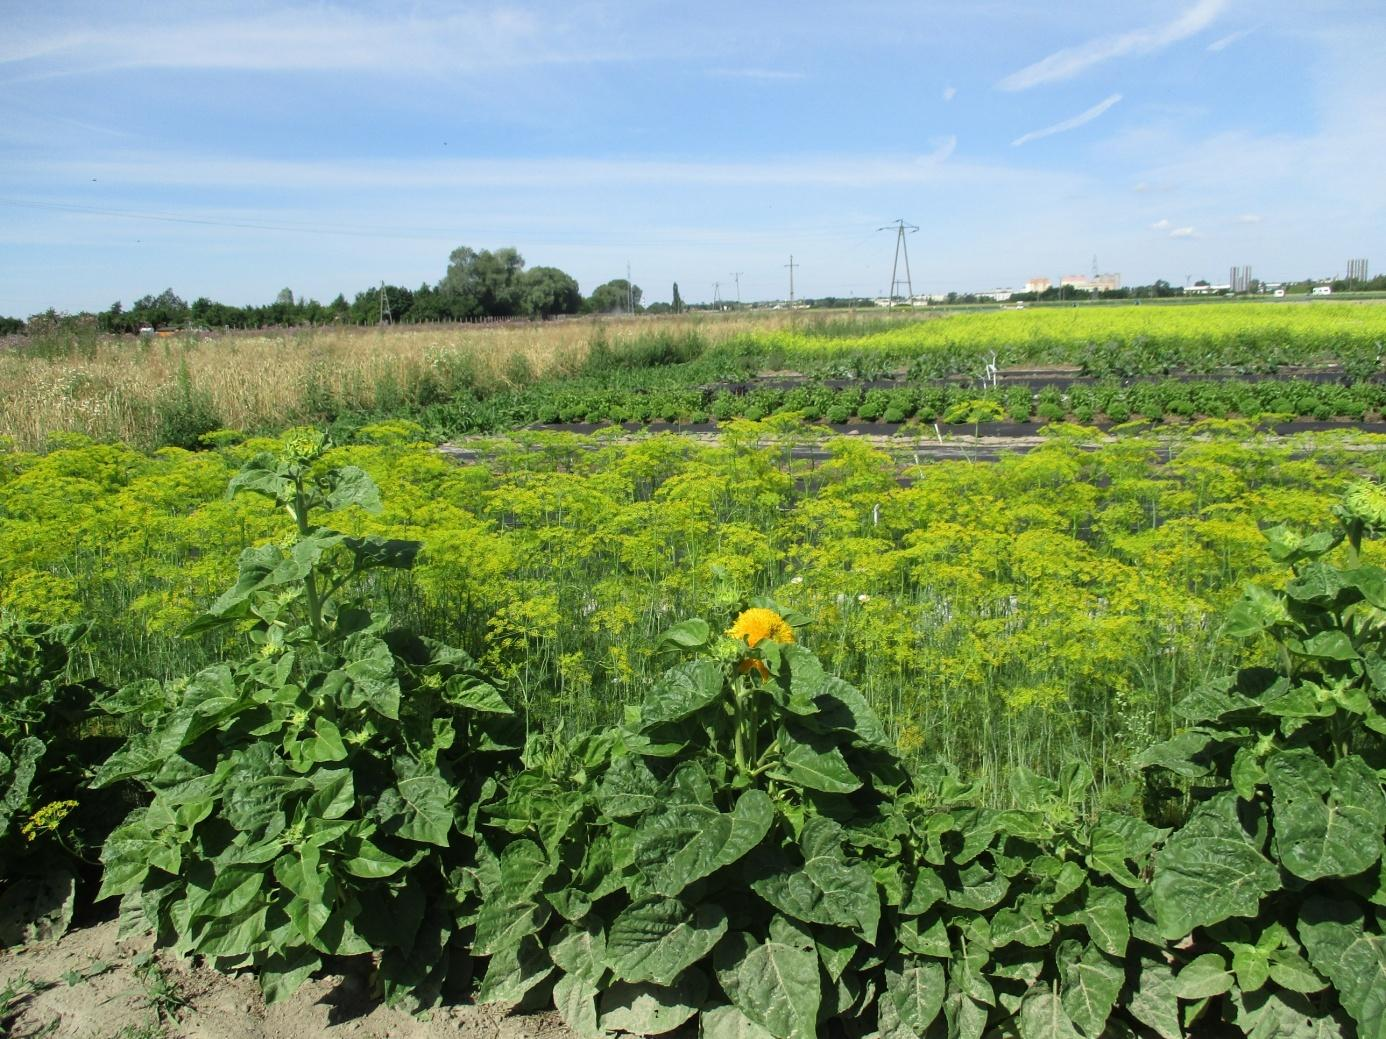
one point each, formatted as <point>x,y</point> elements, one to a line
<point>121,388</point>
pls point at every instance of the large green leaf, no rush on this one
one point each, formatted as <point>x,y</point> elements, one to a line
<point>1268,1014</point>
<point>628,788</point>
<point>773,983</point>
<point>350,485</point>
<point>514,971</point>
<point>1348,949</point>
<point>817,764</point>
<point>1042,1016</point>
<point>727,1022</point>
<point>1210,870</point>
<point>690,841</point>
<point>23,765</point>
<point>1091,981</point>
<point>371,668</point>
<point>1153,1001</point>
<point>829,888</point>
<point>1327,823</point>
<point>581,950</point>
<point>575,998</point>
<point>917,991</point>
<point>1104,916</point>
<point>1203,976</point>
<point>475,695</point>
<point>646,1009</point>
<point>424,802</point>
<point>681,691</point>
<point>654,939</point>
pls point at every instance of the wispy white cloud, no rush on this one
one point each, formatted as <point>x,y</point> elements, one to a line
<point>1250,218</point>
<point>949,93</point>
<point>1160,225</point>
<point>944,147</point>
<point>157,170</point>
<point>1069,62</point>
<point>303,40</point>
<point>754,73</point>
<point>1082,119</point>
<point>1183,232</point>
<point>1223,42</point>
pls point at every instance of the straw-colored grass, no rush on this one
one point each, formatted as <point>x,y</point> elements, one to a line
<point>120,388</point>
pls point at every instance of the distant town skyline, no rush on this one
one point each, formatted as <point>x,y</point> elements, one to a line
<point>329,146</point>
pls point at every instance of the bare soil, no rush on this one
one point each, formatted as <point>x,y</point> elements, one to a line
<point>91,984</point>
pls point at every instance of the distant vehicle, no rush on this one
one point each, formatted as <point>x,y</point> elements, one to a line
<point>1279,293</point>
<point>1322,290</point>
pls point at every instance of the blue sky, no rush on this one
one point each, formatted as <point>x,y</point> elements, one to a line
<point>231,150</point>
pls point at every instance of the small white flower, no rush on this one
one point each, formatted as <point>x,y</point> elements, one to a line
<point>863,598</point>
<point>797,579</point>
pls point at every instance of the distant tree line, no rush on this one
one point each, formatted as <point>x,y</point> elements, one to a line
<point>478,285</point>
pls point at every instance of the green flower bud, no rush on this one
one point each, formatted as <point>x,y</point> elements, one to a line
<point>1365,503</point>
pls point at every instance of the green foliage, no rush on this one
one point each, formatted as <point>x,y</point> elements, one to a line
<point>1275,881</point>
<point>708,854</point>
<point>314,796</point>
<point>49,822</point>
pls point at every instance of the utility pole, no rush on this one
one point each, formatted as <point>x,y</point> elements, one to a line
<point>630,292</point>
<point>900,227</point>
<point>717,294</point>
<point>737,276</point>
<point>386,318</point>
<point>791,265</point>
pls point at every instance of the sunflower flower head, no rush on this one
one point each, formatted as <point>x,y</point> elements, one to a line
<point>758,624</point>
<point>1365,502</point>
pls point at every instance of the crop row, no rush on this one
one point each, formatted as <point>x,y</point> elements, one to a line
<point>1122,341</point>
<point>553,404</point>
<point>745,852</point>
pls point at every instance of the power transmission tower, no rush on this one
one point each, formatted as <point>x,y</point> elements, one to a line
<point>737,276</point>
<point>791,265</point>
<point>900,227</point>
<point>630,291</point>
<point>386,318</point>
<point>717,294</point>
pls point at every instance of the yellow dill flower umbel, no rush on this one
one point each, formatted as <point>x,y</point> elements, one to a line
<point>46,818</point>
<point>758,624</point>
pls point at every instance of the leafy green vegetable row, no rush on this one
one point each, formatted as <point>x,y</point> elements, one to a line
<point>549,404</point>
<point>747,848</point>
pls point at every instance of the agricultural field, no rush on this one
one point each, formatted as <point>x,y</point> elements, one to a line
<point>759,730</point>
<point>1103,363</point>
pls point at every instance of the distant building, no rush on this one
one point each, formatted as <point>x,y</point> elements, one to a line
<point>1088,283</point>
<point>1206,290</point>
<point>1240,279</point>
<point>1357,270</point>
<point>1038,285</point>
<point>999,295</point>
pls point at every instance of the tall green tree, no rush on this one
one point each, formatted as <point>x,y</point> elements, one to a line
<point>678,300</point>
<point>549,291</point>
<point>484,283</point>
<point>616,296</point>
